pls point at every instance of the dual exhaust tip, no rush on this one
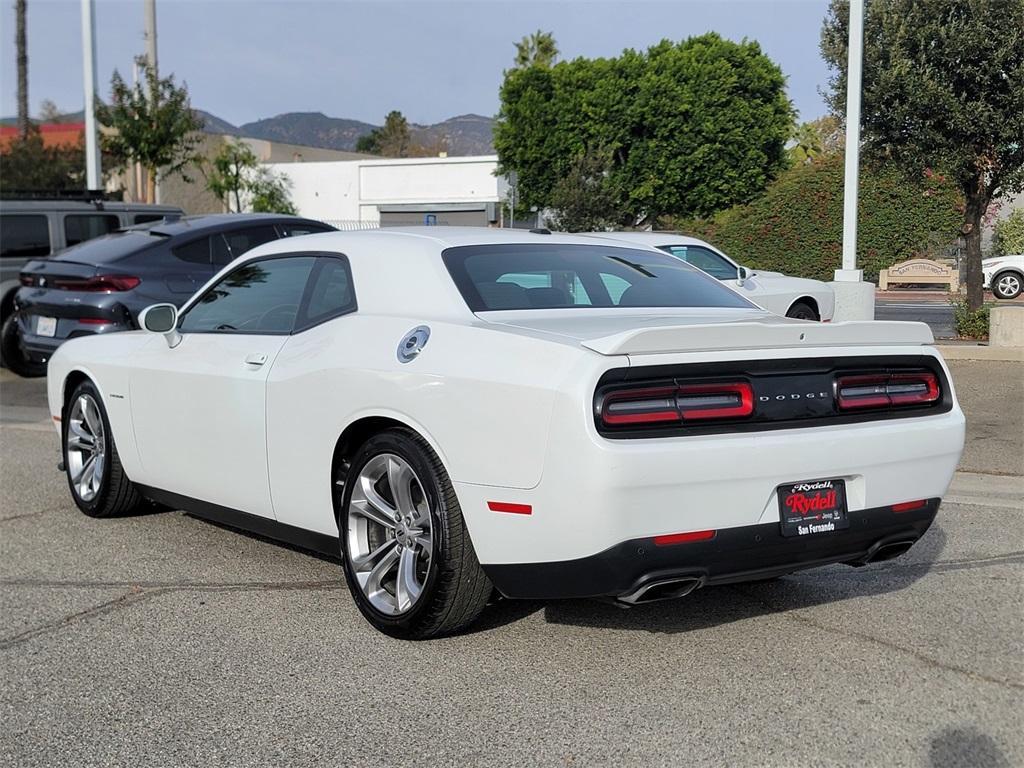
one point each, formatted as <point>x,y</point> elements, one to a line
<point>662,589</point>
<point>681,586</point>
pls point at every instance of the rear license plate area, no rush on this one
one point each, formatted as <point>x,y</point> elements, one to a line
<point>813,507</point>
<point>46,326</point>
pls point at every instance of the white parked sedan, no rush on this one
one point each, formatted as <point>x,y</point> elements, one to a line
<point>453,411</point>
<point>1004,275</point>
<point>795,297</point>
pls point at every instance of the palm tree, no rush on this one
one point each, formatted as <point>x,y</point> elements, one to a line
<point>22,47</point>
<point>536,50</point>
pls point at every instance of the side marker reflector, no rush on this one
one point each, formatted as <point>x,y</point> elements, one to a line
<point>682,538</point>
<point>513,509</point>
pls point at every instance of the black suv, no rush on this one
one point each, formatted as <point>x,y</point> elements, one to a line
<point>101,285</point>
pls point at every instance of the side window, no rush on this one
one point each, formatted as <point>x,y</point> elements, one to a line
<point>704,260</point>
<point>242,240</point>
<point>261,297</point>
<point>81,227</point>
<point>304,228</point>
<point>194,252</point>
<point>24,236</point>
<point>329,293</point>
<point>615,286</point>
<point>145,218</point>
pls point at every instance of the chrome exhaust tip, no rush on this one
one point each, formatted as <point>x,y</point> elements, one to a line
<point>662,589</point>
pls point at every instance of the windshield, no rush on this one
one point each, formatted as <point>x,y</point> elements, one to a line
<point>542,276</point>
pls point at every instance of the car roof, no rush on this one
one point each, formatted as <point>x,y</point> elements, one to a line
<point>56,205</point>
<point>217,221</point>
<point>649,238</point>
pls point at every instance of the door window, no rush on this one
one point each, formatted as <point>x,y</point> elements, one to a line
<point>704,260</point>
<point>205,250</point>
<point>242,240</point>
<point>259,297</point>
<point>329,293</point>
<point>24,236</point>
<point>81,227</point>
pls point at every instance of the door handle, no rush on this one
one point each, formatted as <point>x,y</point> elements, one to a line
<point>256,358</point>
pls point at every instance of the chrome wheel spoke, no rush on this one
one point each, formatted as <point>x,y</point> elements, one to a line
<point>389,534</point>
<point>407,586</point>
<point>86,448</point>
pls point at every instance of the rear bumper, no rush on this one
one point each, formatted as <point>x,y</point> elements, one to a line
<point>40,349</point>
<point>734,555</point>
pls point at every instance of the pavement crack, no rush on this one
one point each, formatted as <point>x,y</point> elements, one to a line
<point>792,615</point>
<point>130,597</point>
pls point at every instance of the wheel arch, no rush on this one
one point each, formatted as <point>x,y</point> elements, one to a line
<point>357,432</point>
<point>1016,271</point>
<point>810,301</point>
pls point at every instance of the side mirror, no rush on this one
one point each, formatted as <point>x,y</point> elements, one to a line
<point>742,275</point>
<point>162,319</point>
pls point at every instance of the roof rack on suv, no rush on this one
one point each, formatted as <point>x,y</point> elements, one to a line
<point>95,196</point>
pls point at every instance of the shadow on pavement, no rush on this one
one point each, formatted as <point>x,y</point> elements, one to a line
<point>714,606</point>
<point>967,747</point>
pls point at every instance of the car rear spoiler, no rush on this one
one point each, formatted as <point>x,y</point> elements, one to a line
<point>728,336</point>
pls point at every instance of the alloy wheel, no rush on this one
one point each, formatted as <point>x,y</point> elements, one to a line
<point>1008,285</point>
<point>86,447</point>
<point>390,534</point>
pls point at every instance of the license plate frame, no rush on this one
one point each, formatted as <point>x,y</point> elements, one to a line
<point>46,326</point>
<point>813,507</point>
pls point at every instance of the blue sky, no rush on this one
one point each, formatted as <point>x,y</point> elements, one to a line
<point>245,60</point>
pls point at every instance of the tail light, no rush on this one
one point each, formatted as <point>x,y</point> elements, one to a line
<point>99,284</point>
<point>26,280</point>
<point>886,389</point>
<point>676,404</point>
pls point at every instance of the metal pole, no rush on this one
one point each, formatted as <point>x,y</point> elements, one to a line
<point>150,35</point>
<point>92,149</point>
<point>854,65</point>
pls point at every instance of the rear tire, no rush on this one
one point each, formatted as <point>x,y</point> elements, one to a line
<point>801,310</point>
<point>98,483</point>
<point>13,356</point>
<point>407,556</point>
<point>1007,285</point>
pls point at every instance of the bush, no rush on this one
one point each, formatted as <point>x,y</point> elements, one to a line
<point>968,323</point>
<point>1008,238</point>
<point>796,226</point>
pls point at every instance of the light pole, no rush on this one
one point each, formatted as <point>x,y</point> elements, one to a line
<point>855,299</point>
<point>92,149</point>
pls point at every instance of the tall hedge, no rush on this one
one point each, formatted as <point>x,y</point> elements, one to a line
<point>796,226</point>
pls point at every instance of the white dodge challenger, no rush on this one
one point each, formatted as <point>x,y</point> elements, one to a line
<point>454,411</point>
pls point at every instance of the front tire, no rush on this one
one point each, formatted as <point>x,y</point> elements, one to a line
<point>98,483</point>
<point>13,356</point>
<point>1007,285</point>
<point>801,310</point>
<point>407,556</point>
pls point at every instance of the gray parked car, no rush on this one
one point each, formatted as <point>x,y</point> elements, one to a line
<point>37,228</point>
<point>102,285</point>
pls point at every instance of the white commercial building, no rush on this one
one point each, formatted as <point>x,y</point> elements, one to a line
<point>390,192</point>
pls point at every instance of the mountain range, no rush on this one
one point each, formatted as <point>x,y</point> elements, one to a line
<point>463,135</point>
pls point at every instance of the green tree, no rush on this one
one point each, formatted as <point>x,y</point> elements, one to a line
<point>689,128</point>
<point>807,144</point>
<point>270,193</point>
<point>536,50</point>
<point>582,199</point>
<point>1008,238</point>
<point>30,166</point>
<point>944,89</point>
<point>230,172</point>
<point>390,140</point>
<point>152,124</point>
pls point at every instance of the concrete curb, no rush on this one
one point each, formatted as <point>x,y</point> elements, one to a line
<point>978,352</point>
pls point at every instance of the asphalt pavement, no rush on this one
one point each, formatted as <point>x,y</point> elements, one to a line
<point>163,640</point>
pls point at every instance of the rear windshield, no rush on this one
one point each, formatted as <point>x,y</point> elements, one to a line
<point>110,247</point>
<point>541,276</point>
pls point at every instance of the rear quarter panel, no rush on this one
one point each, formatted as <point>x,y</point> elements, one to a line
<point>481,397</point>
